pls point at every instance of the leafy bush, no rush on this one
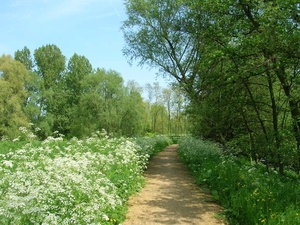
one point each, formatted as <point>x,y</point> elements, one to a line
<point>248,192</point>
<point>152,145</point>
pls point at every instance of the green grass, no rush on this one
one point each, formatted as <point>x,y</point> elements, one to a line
<point>249,194</point>
<point>10,146</point>
<point>58,181</point>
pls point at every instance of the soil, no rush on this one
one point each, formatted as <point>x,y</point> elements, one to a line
<point>170,196</point>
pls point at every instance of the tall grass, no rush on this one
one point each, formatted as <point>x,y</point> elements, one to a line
<point>249,194</point>
<point>71,182</point>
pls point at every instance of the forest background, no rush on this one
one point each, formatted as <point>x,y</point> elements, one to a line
<point>238,62</point>
<point>74,99</point>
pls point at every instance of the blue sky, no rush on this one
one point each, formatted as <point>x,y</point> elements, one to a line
<point>86,27</point>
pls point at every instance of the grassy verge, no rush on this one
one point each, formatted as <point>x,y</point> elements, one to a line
<point>249,194</point>
<point>72,182</point>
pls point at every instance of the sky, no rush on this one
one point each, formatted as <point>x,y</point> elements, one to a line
<point>87,27</point>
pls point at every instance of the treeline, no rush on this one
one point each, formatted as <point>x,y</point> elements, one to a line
<point>74,99</point>
<point>238,61</point>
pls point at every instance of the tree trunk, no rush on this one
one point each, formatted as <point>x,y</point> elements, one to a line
<point>293,105</point>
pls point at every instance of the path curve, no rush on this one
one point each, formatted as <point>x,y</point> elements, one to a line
<point>170,195</point>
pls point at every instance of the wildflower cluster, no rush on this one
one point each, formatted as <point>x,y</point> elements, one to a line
<point>70,182</point>
<point>249,193</point>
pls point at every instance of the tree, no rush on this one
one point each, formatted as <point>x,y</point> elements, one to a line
<point>218,49</point>
<point>158,118</point>
<point>166,94</point>
<point>178,102</point>
<point>156,35</point>
<point>33,86</point>
<point>100,106</point>
<point>133,119</point>
<point>78,68</point>
<point>259,38</point>
<point>50,66</point>
<point>13,76</point>
<point>24,56</point>
<point>155,106</point>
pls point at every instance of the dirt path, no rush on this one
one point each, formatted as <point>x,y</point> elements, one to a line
<point>170,195</point>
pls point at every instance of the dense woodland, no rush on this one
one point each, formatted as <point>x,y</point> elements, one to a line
<point>238,62</point>
<point>71,98</point>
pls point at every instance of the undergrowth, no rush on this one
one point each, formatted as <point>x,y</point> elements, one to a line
<point>248,192</point>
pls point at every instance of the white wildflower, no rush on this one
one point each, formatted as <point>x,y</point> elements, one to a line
<point>8,163</point>
<point>23,129</point>
<point>31,135</point>
<point>105,217</point>
<point>16,139</point>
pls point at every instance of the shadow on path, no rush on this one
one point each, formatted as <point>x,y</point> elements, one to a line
<point>170,195</point>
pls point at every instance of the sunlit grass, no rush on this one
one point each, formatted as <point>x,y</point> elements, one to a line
<point>71,182</point>
<point>248,192</point>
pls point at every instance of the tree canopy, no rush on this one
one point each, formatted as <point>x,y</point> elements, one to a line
<point>238,62</point>
<point>70,97</point>
<point>13,76</point>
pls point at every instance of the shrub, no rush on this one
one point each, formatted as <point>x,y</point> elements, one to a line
<point>248,192</point>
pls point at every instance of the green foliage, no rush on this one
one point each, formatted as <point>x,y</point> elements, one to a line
<point>13,76</point>
<point>24,56</point>
<point>50,64</point>
<point>165,109</point>
<point>77,181</point>
<point>77,100</point>
<point>153,145</point>
<point>133,122</point>
<point>238,62</point>
<point>78,68</point>
<point>249,193</point>
<point>7,146</point>
<point>289,216</point>
<point>107,104</point>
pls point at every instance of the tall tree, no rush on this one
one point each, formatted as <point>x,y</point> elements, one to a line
<point>13,76</point>
<point>178,102</point>
<point>100,105</point>
<point>166,95</point>
<point>133,120</point>
<point>50,66</point>
<point>78,67</point>
<point>156,34</point>
<point>33,86</point>
<point>155,105</point>
<point>215,49</point>
<point>24,56</point>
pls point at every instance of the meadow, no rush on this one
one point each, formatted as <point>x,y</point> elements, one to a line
<point>249,193</point>
<point>59,181</point>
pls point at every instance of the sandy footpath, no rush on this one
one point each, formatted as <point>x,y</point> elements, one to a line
<point>170,195</point>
